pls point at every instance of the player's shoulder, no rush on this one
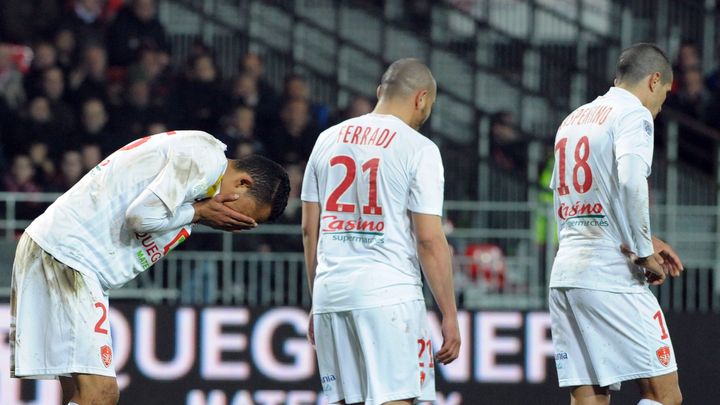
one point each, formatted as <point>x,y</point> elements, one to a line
<point>197,137</point>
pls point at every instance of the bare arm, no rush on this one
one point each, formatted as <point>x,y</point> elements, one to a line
<point>310,232</point>
<point>434,256</point>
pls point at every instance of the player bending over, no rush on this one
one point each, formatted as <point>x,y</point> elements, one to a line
<point>123,216</point>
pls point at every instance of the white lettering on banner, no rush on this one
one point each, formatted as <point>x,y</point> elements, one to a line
<point>458,370</point>
<point>270,397</point>
<point>538,346</point>
<point>489,346</point>
<point>214,342</point>
<point>120,330</point>
<point>303,355</point>
<point>214,397</point>
<point>264,397</point>
<point>232,345</point>
<point>145,344</point>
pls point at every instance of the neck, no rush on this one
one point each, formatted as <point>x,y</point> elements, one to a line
<point>396,109</point>
<point>635,91</point>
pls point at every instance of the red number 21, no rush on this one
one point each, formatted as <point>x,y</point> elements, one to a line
<point>582,154</point>
<point>372,165</point>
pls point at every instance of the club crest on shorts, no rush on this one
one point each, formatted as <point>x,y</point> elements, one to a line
<point>663,355</point>
<point>106,355</point>
<point>422,378</point>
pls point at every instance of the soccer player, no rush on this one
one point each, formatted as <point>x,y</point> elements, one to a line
<point>372,205</point>
<point>607,327</point>
<point>123,216</point>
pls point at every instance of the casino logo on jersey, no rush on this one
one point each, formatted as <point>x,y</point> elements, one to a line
<point>353,230</point>
<point>582,214</point>
<point>663,355</point>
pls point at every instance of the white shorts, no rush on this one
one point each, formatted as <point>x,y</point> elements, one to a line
<point>603,338</point>
<point>376,355</point>
<point>59,321</point>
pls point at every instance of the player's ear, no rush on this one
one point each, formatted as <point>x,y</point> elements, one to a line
<point>378,92</point>
<point>421,98</point>
<point>243,180</point>
<point>655,81</point>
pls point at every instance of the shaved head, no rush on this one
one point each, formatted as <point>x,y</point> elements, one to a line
<point>639,61</point>
<point>405,77</point>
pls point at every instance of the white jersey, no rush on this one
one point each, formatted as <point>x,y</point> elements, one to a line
<point>368,174</point>
<point>590,210</point>
<point>85,228</point>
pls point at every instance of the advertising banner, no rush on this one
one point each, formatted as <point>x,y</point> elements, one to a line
<point>260,356</point>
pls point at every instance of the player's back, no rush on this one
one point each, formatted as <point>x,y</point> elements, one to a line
<point>85,228</point>
<point>589,207</point>
<point>368,174</point>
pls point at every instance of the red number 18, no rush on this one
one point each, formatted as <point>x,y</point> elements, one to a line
<point>582,154</point>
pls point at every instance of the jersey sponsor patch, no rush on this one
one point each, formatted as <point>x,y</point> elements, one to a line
<point>663,355</point>
<point>106,355</point>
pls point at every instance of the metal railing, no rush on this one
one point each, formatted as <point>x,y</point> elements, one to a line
<point>518,232</point>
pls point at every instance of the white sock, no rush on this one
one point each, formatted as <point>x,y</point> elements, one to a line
<point>648,402</point>
<point>72,403</point>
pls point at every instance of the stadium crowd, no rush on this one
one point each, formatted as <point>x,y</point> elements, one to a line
<point>99,75</point>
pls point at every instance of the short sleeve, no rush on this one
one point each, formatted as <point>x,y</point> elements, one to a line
<point>427,186</point>
<point>177,180</point>
<point>310,192</point>
<point>634,135</point>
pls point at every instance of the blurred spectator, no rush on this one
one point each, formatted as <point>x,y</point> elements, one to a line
<point>65,45</point>
<point>85,20</point>
<point>11,83</point>
<point>36,124</point>
<point>21,177</point>
<point>359,105</point>
<point>694,100</point>
<point>22,21</point>
<point>89,79</point>
<point>42,164</point>
<point>135,26</point>
<point>292,139</point>
<point>239,126</point>
<point>246,90</point>
<point>296,87</point>
<point>200,96</point>
<point>131,119</point>
<point>91,156</point>
<point>45,58</point>
<point>252,64</point>
<point>688,59</point>
<point>156,127</point>
<point>95,128</point>
<point>507,148</point>
<point>53,86</point>
<point>71,170</point>
<point>152,66</point>
<point>244,148</point>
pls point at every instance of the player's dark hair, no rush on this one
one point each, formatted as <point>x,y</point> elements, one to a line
<point>641,60</point>
<point>271,184</point>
